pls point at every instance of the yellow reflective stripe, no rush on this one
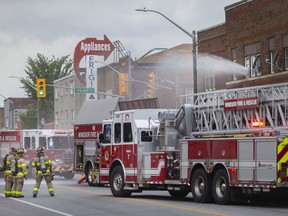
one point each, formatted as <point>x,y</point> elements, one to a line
<point>281,146</point>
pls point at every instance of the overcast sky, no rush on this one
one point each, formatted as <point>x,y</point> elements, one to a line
<point>54,27</point>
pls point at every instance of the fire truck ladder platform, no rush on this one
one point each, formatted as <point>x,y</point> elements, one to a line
<point>233,111</point>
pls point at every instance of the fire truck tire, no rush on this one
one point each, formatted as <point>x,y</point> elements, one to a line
<point>220,188</point>
<point>117,183</point>
<point>178,194</point>
<point>201,184</point>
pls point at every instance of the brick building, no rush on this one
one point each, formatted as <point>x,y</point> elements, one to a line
<point>254,35</point>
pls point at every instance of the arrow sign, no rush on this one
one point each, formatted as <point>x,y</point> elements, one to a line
<point>91,46</point>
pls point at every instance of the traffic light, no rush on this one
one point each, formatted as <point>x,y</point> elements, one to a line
<point>151,85</point>
<point>41,87</point>
<point>123,84</point>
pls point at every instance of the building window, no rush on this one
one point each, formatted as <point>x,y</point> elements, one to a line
<point>72,87</point>
<point>272,55</point>
<point>57,93</point>
<point>253,63</point>
<point>72,115</point>
<point>61,117</point>
<point>272,61</point>
<point>61,90</point>
<point>56,118</point>
<point>252,59</point>
<point>66,88</point>
<point>66,115</point>
<point>286,58</point>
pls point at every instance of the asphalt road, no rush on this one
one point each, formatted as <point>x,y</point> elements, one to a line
<point>73,199</point>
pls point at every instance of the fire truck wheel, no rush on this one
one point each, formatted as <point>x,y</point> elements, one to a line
<point>178,194</point>
<point>220,188</point>
<point>117,183</point>
<point>201,186</point>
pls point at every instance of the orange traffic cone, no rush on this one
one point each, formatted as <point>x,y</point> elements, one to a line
<point>82,179</point>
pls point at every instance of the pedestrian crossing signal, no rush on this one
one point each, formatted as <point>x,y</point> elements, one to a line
<point>41,87</point>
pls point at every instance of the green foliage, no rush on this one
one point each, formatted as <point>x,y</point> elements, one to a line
<point>29,119</point>
<point>50,69</point>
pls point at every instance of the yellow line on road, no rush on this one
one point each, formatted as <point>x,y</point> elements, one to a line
<point>150,202</point>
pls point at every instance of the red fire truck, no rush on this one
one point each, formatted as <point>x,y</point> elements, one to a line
<point>58,144</point>
<point>87,128</point>
<point>228,144</point>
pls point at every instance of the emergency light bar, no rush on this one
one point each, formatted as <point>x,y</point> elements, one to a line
<point>257,124</point>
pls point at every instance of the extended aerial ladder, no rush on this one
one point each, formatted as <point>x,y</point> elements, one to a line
<point>233,111</point>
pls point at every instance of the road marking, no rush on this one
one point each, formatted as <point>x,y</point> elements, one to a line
<point>151,202</point>
<point>38,206</point>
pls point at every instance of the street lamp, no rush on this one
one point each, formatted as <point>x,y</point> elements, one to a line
<point>193,37</point>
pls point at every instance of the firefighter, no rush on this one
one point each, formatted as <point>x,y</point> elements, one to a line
<point>19,171</point>
<point>43,166</point>
<point>7,172</point>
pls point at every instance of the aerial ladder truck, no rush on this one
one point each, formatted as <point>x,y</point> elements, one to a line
<point>228,143</point>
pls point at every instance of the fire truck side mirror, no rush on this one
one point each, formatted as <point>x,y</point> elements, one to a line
<point>101,137</point>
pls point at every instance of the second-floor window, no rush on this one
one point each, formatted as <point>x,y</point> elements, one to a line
<point>252,59</point>
<point>286,58</point>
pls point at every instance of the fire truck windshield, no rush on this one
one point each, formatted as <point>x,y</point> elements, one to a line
<point>58,142</point>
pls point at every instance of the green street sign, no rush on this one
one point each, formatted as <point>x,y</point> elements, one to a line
<point>84,90</point>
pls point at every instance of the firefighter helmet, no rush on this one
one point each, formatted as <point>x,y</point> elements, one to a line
<point>40,149</point>
<point>13,150</point>
<point>20,151</point>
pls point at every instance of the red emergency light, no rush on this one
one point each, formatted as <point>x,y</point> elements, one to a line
<point>257,124</point>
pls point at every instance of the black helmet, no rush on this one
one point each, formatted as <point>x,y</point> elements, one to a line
<point>20,151</point>
<point>13,150</point>
<point>40,149</point>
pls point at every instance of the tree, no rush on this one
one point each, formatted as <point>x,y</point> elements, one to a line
<point>50,69</point>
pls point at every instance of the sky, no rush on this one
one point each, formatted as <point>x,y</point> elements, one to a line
<point>54,28</point>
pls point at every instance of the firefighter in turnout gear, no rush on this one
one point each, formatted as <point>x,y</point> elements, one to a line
<point>43,166</point>
<point>7,172</point>
<point>19,171</point>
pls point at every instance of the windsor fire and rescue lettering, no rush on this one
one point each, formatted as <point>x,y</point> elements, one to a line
<point>8,138</point>
<point>242,103</point>
<point>87,134</point>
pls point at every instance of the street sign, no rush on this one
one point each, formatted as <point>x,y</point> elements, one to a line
<point>91,46</point>
<point>84,90</point>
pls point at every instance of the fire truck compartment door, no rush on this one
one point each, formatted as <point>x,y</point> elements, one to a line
<point>257,160</point>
